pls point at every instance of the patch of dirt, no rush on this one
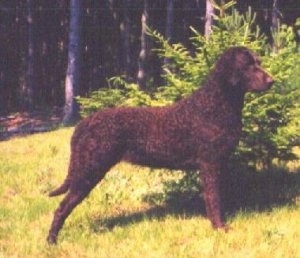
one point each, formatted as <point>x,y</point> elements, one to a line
<point>24,123</point>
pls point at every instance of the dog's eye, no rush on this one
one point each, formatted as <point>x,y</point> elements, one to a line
<point>249,63</point>
<point>252,59</point>
<point>253,62</point>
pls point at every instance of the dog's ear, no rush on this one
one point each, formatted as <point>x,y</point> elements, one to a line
<point>233,78</point>
<point>236,62</point>
<point>227,68</point>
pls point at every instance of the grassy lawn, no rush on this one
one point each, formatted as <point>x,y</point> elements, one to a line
<point>121,218</point>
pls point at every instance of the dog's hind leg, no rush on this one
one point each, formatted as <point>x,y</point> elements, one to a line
<point>84,174</point>
<point>65,208</point>
<point>77,192</point>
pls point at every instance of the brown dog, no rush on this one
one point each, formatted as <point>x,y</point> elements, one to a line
<point>199,132</point>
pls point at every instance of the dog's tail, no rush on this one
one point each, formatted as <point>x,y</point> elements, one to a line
<point>61,189</point>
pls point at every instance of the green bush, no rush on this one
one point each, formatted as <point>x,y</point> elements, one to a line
<point>270,120</point>
<point>186,72</point>
<point>120,93</point>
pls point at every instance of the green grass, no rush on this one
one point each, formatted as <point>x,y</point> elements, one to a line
<point>117,219</point>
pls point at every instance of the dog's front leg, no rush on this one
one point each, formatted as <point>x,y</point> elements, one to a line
<point>211,183</point>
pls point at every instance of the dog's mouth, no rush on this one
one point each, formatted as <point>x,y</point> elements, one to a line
<point>269,85</point>
<point>269,81</point>
<point>266,86</point>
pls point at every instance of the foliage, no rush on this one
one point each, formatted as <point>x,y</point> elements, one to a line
<point>100,99</point>
<point>187,72</point>
<point>271,125</point>
<point>120,93</point>
<point>271,120</point>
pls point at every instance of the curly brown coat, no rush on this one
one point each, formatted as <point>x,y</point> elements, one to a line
<point>198,132</point>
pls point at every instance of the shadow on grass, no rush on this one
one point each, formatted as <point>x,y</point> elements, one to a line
<point>249,191</point>
<point>262,191</point>
<point>156,212</point>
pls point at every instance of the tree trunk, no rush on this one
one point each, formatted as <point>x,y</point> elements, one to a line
<point>208,18</point>
<point>169,26</point>
<point>50,59</point>
<point>275,22</point>
<point>169,20</point>
<point>71,111</point>
<point>275,15</point>
<point>125,50</point>
<point>142,72</point>
<point>97,76</point>
<point>30,79</point>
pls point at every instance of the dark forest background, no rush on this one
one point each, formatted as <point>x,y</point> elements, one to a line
<point>34,43</point>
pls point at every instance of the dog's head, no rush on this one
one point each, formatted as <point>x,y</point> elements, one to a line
<point>240,67</point>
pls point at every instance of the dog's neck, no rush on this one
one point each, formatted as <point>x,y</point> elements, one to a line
<point>224,97</point>
<point>235,96</point>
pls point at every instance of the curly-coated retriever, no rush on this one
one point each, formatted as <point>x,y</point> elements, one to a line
<point>198,132</point>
